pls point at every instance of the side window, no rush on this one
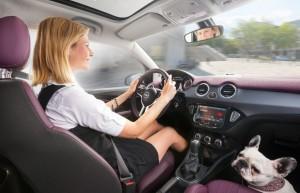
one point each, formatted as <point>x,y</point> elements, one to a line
<point>109,67</point>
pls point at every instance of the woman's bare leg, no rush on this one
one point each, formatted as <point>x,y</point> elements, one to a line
<point>150,130</point>
<point>165,138</point>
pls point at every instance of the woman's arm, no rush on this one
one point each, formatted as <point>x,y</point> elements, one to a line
<point>116,102</point>
<point>134,129</point>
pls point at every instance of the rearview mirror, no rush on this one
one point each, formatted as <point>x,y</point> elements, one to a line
<point>204,34</point>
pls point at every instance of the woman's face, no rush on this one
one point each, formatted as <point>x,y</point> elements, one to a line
<point>80,54</point>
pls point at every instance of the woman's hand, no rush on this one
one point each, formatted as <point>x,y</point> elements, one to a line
<point>132,87</point>
<point>169,89</point>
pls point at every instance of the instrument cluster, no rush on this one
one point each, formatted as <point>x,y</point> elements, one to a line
<point>183,80</point>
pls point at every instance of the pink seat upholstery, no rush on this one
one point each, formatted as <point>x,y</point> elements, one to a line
<point>219,186</point>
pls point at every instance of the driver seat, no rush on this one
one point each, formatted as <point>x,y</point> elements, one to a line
<point>47,158</point>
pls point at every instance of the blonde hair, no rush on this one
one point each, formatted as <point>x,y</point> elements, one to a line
<point>50,60</point>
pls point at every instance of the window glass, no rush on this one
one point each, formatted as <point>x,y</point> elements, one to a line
<point>261,38</point>
<point>109,67</point>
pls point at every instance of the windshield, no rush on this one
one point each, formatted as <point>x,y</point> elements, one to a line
<point>260,38</point>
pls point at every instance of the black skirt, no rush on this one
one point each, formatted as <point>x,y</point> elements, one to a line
<point>139,156</point>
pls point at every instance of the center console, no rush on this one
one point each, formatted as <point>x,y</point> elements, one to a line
<point>210,150</point>
<point>211,117</point>
<point>212,122</point>
<point>195,168</point>
<point>208,117</point>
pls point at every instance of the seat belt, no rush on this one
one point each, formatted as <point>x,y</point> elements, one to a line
<point>126,177</point>
<point>46,94</point>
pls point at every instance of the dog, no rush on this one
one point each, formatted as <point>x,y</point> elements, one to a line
<point>261,173</point>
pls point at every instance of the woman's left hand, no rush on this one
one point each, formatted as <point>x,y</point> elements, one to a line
<point>132,87</point>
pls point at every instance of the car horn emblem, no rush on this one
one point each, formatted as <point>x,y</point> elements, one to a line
<point>146,94</point>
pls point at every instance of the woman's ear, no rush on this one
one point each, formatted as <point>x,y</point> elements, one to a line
<point>71,50</point>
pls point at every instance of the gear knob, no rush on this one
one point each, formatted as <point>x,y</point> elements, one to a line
<point>195,145</point>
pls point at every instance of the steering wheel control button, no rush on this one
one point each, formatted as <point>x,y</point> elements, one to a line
<point>234,116</point>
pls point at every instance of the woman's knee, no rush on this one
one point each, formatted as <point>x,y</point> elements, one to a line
<point>175,140</point>
<point>170,132</point>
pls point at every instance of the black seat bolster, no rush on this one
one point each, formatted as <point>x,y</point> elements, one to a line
<point>10,179</point>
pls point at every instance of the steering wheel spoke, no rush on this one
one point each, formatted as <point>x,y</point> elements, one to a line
<point>142,110</point>
<point>159,90</point>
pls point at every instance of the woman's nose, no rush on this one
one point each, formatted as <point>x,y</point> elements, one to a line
<point>91,53</point>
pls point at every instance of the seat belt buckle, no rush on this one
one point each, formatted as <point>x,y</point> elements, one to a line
<point>128,184</point>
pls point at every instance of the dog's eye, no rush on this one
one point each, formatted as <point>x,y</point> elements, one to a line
<point>255,170</point>
<point>241,155</point>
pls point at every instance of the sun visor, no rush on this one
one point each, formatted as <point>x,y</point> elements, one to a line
<point>144,26</point>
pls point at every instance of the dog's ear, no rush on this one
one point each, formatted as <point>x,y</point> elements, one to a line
<point>283,166</point>
<point>255,141</point>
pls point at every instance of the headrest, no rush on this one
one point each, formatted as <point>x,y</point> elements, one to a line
<point>14,43</point>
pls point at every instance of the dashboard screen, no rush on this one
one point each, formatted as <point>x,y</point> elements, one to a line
<point>210,117</point>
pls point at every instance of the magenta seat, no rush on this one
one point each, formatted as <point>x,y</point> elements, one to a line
<point>219,186</point>
<point>50,159</point>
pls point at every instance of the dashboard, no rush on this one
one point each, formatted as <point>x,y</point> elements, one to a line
<point>220,108</point>
<point>217,103</point>
<point>183,79</point>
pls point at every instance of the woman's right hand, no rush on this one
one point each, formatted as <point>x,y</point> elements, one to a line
<point>169,89</point>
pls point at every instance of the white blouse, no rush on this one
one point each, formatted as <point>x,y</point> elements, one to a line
<point>71,106</point>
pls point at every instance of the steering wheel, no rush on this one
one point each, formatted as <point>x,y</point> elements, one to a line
<point>148,90</point>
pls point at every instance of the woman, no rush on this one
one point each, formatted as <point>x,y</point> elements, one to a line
<point>62,47</point>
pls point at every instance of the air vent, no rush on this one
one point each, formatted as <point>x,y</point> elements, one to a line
<point>187,83</point>
<point>228,90</point>
<point>202,89</point>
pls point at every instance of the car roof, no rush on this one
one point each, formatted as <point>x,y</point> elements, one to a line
<point>154,16</point>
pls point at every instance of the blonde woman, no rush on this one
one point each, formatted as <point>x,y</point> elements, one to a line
<point>62,47</point>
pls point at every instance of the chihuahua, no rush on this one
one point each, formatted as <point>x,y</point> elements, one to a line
<point>261,173</point>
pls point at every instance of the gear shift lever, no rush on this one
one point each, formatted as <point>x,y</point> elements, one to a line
<point>191,166</point>
<point>195,146</point>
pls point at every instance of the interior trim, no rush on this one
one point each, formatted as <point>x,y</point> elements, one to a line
<point>98,12</point>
